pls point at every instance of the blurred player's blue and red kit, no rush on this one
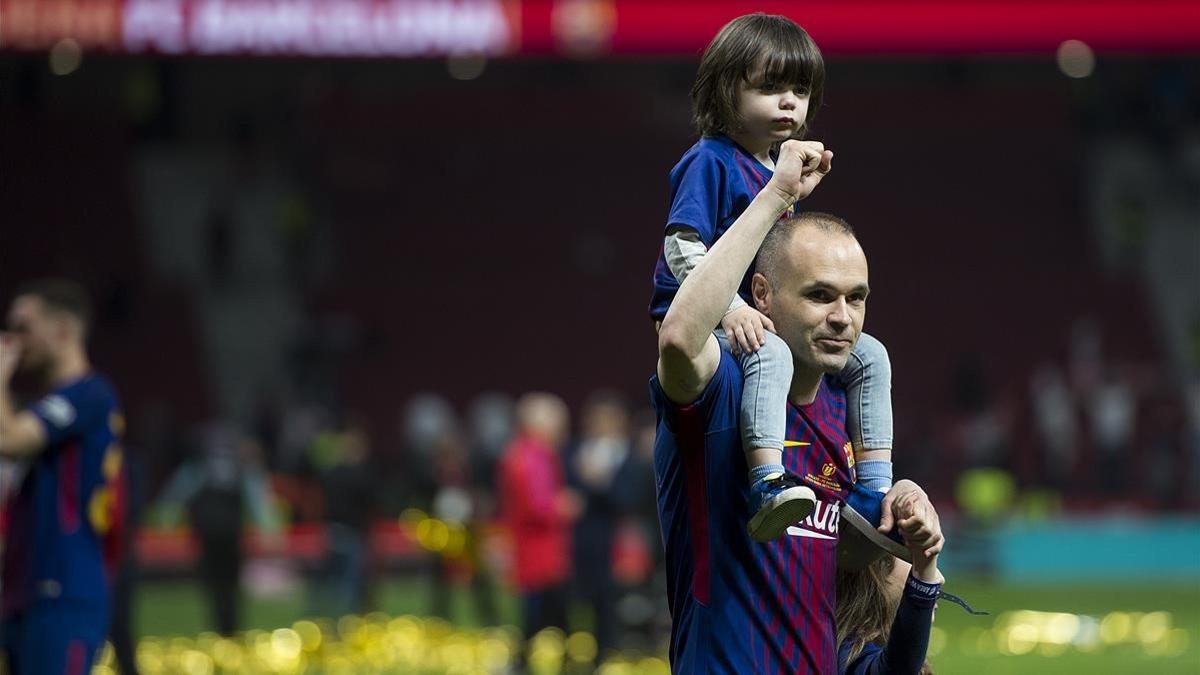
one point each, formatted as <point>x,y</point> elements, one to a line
<point>61,533</point>
<point>738,606</point>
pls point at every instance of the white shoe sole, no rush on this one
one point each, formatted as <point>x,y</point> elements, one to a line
<point>850,540</point>
<point>781,512</point>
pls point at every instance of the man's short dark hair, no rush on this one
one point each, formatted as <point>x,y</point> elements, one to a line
<point>61,295</point>
<point>781,233</point>
<point>769,47</point>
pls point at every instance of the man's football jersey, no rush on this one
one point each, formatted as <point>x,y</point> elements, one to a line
<point>711,185</point>
<point>60,516</point>
<point>738,606</point>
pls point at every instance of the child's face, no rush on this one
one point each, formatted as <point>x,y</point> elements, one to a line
<point>771,112</point>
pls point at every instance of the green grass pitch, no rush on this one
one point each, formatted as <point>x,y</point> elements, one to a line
<point>1053,629</point>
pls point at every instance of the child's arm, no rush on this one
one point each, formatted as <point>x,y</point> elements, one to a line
<point>908,640</point>
<point>743,324</point>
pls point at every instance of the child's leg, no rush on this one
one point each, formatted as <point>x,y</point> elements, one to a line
<point>777,498</point>
<point>767,378</point>
<point>868,380</point>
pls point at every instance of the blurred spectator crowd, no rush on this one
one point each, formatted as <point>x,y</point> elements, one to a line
<point>510,496</point>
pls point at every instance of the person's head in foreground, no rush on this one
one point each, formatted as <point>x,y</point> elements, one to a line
<point>867,600</point>
<point>884,606</point>
<point>760,81</point>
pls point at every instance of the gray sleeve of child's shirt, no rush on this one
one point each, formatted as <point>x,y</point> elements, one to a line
<point>684,250</point>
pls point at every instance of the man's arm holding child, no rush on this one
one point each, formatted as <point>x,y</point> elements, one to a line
<point>744,326</point>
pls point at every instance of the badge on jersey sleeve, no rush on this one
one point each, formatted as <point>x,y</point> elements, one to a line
<point>57,410</point>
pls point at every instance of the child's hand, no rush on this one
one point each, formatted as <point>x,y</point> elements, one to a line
<point>920,527</point>
<point>923,534</point>
<point>745,327</point>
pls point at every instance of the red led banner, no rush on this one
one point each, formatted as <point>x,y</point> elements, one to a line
<point>587,28</point>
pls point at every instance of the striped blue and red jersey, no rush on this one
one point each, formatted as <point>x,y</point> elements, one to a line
<point>63,516</point>
<point>738,606</point>
<point>711,185</point>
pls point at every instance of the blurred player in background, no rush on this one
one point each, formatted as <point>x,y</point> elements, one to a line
<point>61,519</point>
<point>350,491</point>
<point>596,467</point>
<point>760,83</point>
<point>223,481</point>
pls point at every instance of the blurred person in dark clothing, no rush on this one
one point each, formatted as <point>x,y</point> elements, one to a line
<point>1055,424</point>
<point>1112,411</point>
<point>457,501</point>
<point>603,452</point>
<point>125,572</point>
<point>349,485</point>
<point>63,522</point>
<point>491,424</point>
<point>424,423</point>
<point>538,510</point>
<point>638,555</point>
<point>217,487</point>
<point>437,466</point>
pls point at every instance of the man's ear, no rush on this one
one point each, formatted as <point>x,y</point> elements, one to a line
<point>760,290</point>
<point>67,328</point>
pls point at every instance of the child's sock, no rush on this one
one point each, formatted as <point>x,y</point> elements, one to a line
<point>874,474</point>
<point>760,473</point>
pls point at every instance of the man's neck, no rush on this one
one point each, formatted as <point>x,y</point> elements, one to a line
<point>71,366</point>
<point>805,385</point>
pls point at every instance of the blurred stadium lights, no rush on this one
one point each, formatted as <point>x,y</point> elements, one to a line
<point>65,57</point>
<point>583,28</point>
<point>1075,59</point>
<point>1022,631</point>
<point>414,644</point>
<point>466,67</point>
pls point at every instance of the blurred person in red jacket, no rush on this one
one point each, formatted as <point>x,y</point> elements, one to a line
<point>538,510</point>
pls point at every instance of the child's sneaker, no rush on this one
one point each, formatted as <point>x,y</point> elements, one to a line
<point>859,542</point>
<point>778,501</point>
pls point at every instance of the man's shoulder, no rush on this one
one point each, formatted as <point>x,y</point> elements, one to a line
<point>74,401</point>
<point>91,389</point>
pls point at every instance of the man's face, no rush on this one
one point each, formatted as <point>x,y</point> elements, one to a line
<point>38,330</point>
<point>819,299</point>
